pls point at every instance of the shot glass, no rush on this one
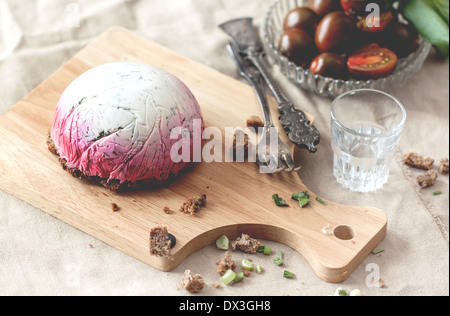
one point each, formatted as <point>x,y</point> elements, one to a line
<point>366,127</point>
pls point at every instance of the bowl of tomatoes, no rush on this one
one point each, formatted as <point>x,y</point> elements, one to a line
<point>331,47</point>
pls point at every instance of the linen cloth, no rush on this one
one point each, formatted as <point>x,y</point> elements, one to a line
<point>40,255</point>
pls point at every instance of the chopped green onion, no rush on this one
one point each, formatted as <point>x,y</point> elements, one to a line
<point>377,251</point>
<point>278,261</point>
<point>228,277</point>
<point>82,100</point>
<point>259,269</point>
<point>302,198</point>
<point>261,248</point>
<point>318,199</point>
<point>247,265</point>
<point>239,277</point>
<point>279,201</point>
<point>288,274</point>
<point>437,193</point>
<point>280,254</point>
<point>342,292</point>
<point>267,251</point>
<point>223,243</point>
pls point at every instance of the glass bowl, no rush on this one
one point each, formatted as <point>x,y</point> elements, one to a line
<point>329,87</point>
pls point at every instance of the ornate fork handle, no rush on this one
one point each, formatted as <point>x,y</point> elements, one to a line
<point>294,121</point>
<point>258,85</point>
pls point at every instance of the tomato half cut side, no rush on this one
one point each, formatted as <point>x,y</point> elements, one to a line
<point>372,64</point>
<point>376,24</point>
<point>354,6</point>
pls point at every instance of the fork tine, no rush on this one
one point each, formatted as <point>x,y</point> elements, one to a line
<point>282,166</point>
<point>265,162</point>
<point>287,159</point>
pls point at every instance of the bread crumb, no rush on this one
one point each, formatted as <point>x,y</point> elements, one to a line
<point>427,180</point>
<point>193,205</point>
<point>255,122</point>
<point>246,244</point>
<point>247,273</point>
<point>417,161</point>
<point>217,285</point>
<point>192,283</point>
<point>160,243</point>
<point>167,210</point>
<point>226,263</point>
<point>444,167</point>
<point>115,207</point>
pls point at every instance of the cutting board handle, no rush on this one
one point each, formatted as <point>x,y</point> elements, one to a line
<point>333,246</point>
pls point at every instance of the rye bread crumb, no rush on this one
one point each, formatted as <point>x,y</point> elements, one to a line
<point>192,283</point>
<point>226,263</point>
<point>444,167</point>
<point>255,122</point>
<point>246,244</point>
<point>160,243</point>
<point>167,210</point>
<point>115,207</point>
<point>417,161</point>
<point>427,180</point>
<point>193,205</point>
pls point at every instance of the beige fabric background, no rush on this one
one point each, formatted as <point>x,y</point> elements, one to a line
<point>39,255</point>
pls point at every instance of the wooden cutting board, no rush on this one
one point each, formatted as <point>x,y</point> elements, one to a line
<point>239,197</point>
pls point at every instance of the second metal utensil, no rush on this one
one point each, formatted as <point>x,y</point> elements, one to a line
<point>249,46</point>
<point>279,156</point>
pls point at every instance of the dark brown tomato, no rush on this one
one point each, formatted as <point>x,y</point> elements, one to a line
<point>298,46</point>
<point>301,18</point>
<point>376,24</point>
<point>323,7</point>
<point>372,63</point>
<point>366,47</point>
<point>330,65</point>
<point>402,38</point>
<point>375,30</point>
<point>336,33</point>
<point>358,7</point>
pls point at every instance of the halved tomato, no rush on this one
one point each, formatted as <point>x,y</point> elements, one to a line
<point>372,63</point>
<point>375,24</point>
<point>356,7</point>
<point>366,47</point>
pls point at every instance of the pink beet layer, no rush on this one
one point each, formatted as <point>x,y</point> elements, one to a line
<point>115,122</point>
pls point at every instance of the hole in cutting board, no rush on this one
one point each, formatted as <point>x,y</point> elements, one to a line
<point>344,233</point>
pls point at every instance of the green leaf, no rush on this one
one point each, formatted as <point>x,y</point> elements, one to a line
<point>441,7</point>
<point>302,198</point>
<point>279,201</point>
<point>429,23</point>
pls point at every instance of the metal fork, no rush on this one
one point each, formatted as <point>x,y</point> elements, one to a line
<point>283,161</point>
